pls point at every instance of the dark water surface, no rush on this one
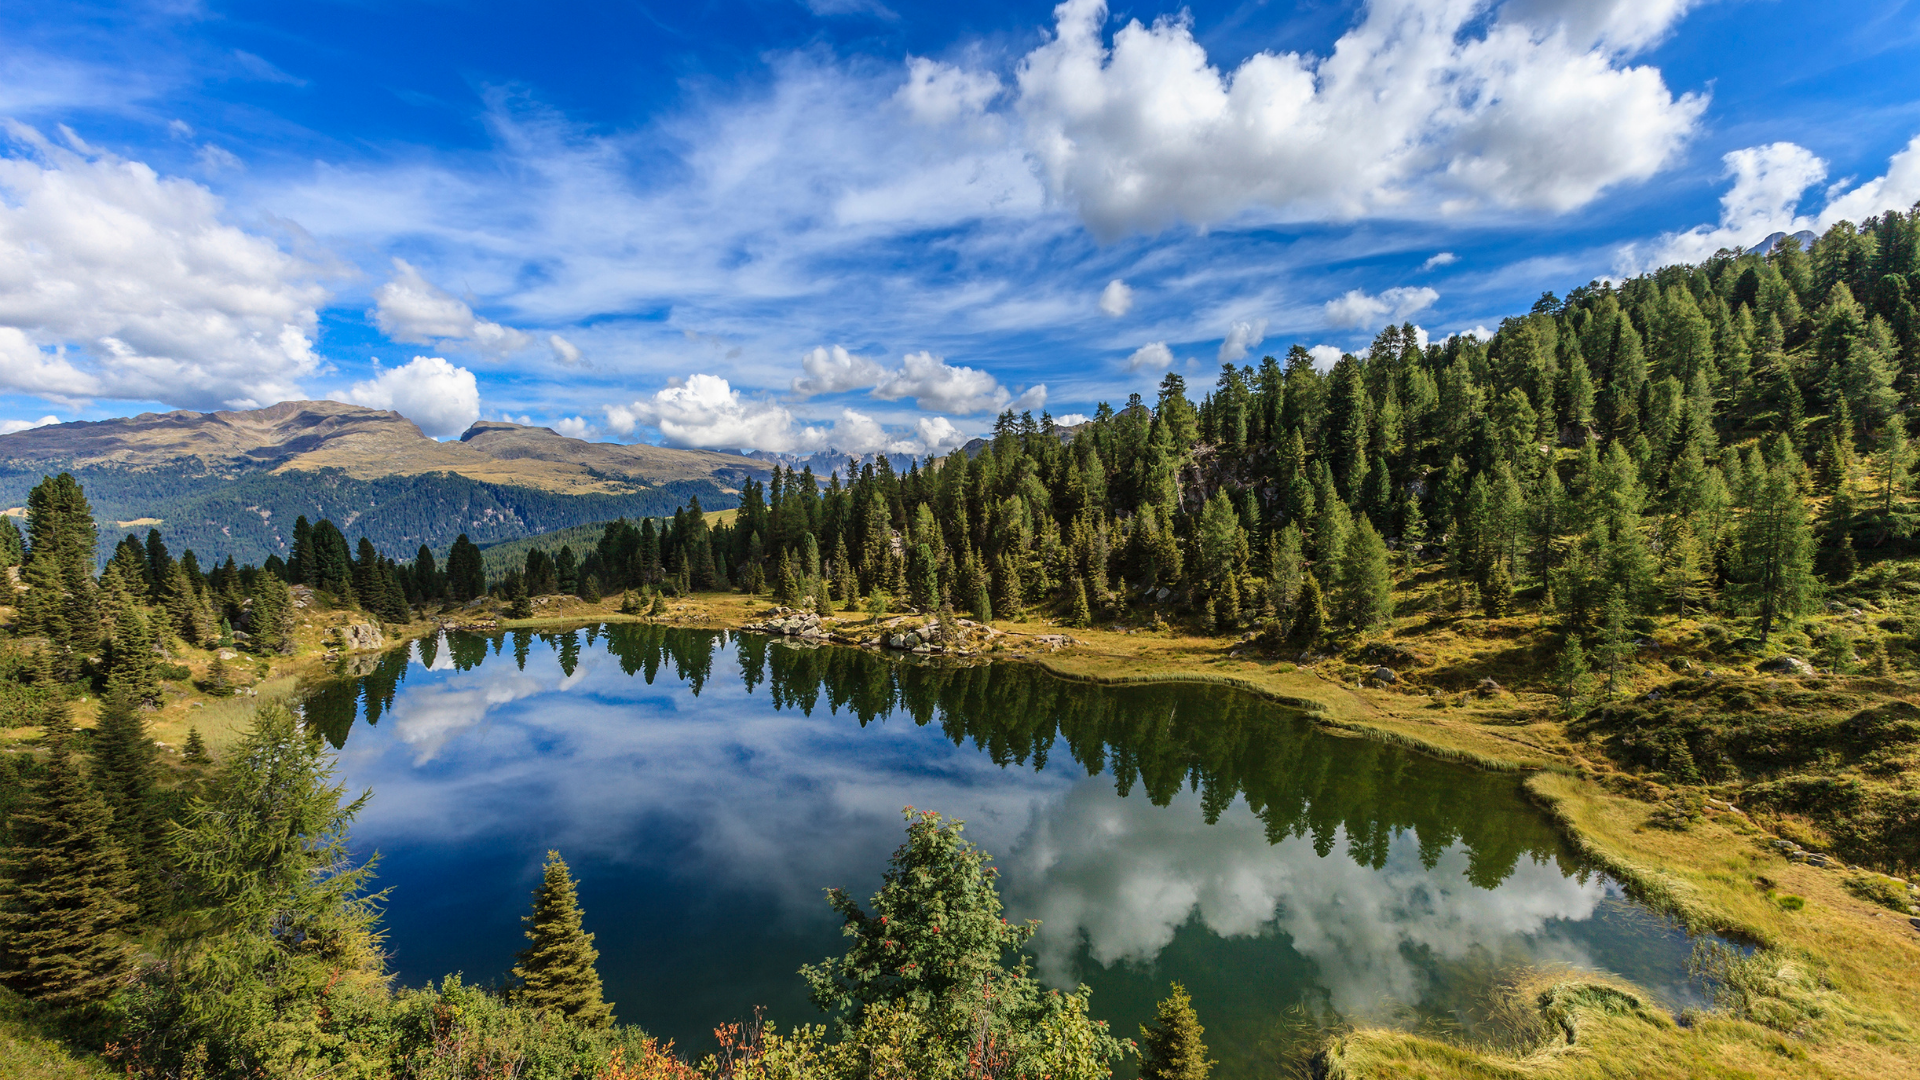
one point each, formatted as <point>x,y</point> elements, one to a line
<point>707,787</point>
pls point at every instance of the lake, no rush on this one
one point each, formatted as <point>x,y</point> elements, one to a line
<point>707,787</point>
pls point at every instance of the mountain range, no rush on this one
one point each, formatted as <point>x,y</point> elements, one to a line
<point>232,482</point>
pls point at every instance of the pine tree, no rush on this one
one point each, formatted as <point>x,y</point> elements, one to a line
<point>125,770</point>
<point>556,970</point>
<point>1311,621</point>
<point>1774,551</point>
<point>1895,462</point>
<point>1616,643</point>
<point>1171,1048</point>
<point>1082,615</point>
<point>1365,581</point>
<point>519,607</point>
<point>1571,683</point>
<point>195,751</point>
<point>219,681</point>
<point>64,895</point>
<point>1227,603</point>
<point>1496,591</point>
<point>1284,572</point>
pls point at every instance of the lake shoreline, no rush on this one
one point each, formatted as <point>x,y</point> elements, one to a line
<point>1703,876</point>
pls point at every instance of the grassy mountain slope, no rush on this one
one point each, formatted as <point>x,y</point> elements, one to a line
<point>232,483</point>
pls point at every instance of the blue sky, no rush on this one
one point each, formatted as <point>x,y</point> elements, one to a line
<point>857,225</point>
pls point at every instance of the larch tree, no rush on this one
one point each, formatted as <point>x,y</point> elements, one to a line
<point>556,970</point>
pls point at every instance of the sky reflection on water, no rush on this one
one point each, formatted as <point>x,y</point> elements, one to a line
<point>1157,832</point>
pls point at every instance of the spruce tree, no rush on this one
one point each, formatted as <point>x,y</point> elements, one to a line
<point>556,969</point>
<point>1171,1048</point>
<point>64,894</point>
<point>125,770</point>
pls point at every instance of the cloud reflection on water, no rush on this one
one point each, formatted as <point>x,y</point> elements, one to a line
<point>727,797</point>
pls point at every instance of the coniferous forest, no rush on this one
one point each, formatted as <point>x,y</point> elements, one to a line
<point>1722,448</point>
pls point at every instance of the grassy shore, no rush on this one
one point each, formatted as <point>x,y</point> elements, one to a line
<point>1832,990</point>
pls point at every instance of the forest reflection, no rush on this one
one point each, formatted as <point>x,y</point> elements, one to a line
<point>1155,739</point>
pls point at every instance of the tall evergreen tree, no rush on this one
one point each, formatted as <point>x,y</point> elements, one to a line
<point>64,898</point>
<point>1571,683</point>
<point>1774,552</point>
<point>1365,581</point>
<point>125,769</point>
<point>556,970</point>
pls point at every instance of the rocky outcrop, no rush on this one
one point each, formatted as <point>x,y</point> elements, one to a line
<point>909,634</point>
<point>1786,665</point>
<point>360,637</point>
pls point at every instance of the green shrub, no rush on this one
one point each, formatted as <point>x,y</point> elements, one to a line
<point>1884,891</point>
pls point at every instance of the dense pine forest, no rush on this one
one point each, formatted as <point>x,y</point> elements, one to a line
<point>1724,446</point>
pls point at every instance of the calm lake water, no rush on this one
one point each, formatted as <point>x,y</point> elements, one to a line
<point>707,787</point>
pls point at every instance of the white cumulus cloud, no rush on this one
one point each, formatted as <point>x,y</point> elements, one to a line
<point>412,309</point>
<point>574,427</point>
<point>938,386</point>
<point>940,93</point>
<point>1072,419</point>
<point>118,282</point>
<point>1425,106</point>
<point>440,397</point>
<point>1242,336</point>
<point>1325,356</point>
<point>1117,298</point>
<point>1444,258</point>
<point>8,427</point>
<point>1153,356</point>
<point>706,411</point>
<point>1769,184</point>
<point>831,370</point>
<point>1358,309</point>
<point>938,435</point>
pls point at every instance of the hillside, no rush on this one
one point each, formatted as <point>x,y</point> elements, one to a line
<point>232,482</point>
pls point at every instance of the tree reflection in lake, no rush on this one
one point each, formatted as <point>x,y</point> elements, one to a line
<point>707,786</point>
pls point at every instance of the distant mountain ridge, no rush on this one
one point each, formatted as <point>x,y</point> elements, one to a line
<point>1772,242</point>
<point>367,444</point>
<point>232,482</point>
